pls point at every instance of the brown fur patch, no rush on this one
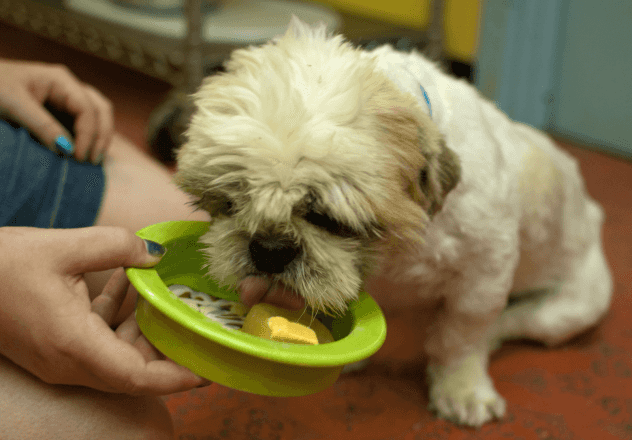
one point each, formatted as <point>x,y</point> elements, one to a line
<point>440,175</point>
<point>423,171</point>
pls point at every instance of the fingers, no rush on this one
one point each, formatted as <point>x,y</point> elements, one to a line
<point>129,332</point>
<point>109,302</point>
<point>58,86</point>
<point>121,367</point>
<point>253,290</point>
<point>284,297</point>
<point>94,121</point>
<point>97,248</point>
<point>31,113</point>
<point>103,130</point>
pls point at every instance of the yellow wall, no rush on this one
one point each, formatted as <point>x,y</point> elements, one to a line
<point>461,19</point>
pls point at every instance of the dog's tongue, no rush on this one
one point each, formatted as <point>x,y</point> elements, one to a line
<point>253,290</point>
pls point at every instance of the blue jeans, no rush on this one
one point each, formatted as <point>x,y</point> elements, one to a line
<point>43,189</point>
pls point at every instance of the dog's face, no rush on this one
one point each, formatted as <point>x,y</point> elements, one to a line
<point>310,162</point>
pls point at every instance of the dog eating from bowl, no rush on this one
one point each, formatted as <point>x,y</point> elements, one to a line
<point>328,169</point>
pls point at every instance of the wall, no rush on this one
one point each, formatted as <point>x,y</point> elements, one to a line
<point>561,65</point>
<point>592,91</point>
<point>461,19</point>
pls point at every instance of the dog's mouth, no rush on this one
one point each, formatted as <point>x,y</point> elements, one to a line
<point>255,289</point>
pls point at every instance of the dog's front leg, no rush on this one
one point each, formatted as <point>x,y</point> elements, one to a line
<point>460,388</point>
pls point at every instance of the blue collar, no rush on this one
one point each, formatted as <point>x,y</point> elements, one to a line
<point>423,92</point>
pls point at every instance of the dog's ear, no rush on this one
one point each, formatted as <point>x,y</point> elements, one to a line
<point>439,174</point>
<point>427,169</point>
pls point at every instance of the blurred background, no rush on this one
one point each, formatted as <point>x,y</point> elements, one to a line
<point>560,65</point>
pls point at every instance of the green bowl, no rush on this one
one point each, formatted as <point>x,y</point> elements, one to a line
<point>230,357</point>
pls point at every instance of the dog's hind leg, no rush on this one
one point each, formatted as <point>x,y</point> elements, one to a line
<point>560,240</point>
<point>575,305</point>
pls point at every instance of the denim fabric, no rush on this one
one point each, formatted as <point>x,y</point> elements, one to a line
<point>43,189</point>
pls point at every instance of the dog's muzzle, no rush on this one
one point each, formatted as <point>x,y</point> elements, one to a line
<point>271,253</point>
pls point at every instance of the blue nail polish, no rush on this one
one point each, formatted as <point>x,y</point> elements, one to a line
<point>64,145</point>
<point>155,249</point>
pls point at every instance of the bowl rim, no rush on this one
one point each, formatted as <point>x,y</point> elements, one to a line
<point>367,334</point>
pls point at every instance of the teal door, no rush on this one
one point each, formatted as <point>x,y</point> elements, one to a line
<point>564,66</point>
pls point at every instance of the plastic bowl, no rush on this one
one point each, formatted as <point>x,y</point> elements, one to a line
<point>230,357</point>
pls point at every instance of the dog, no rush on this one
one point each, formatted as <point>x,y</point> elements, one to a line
<point>328,169</point>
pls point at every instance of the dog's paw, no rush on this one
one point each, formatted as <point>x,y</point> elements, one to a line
<point>465,395</point>
<point>473,407</point>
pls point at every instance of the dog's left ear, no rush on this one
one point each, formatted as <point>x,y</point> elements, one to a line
<point>427,168</point>
<point>440,173</point>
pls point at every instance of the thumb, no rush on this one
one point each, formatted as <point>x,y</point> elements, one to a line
<point>39,121</point>
<point>100,248</point>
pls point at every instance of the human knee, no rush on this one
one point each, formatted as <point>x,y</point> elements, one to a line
<point>33,409</point>
<point>137,418</point>
<point>159,425</point>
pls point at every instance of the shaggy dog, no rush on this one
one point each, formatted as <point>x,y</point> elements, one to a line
<point>328,169</point>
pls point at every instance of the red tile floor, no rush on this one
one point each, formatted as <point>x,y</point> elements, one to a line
<point>582,390</point>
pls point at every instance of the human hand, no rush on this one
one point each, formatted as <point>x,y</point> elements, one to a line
<point>26,86</point>
<point>52,329</point>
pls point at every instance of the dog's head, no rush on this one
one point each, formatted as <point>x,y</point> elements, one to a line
<point>310,161</point>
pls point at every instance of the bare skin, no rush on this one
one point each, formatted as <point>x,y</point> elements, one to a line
<point>73,363</point>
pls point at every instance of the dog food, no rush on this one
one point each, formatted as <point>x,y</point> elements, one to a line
<point>277,324</point>
<point>229,314</point>
<point>263,320</point>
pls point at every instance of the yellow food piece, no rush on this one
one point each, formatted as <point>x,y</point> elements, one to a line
<point>278,324</point>
<point>282,330</point>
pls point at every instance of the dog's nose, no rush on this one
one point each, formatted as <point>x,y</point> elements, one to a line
<point>270,253</point>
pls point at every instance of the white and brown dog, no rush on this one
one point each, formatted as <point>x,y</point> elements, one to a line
<point>328,169</point>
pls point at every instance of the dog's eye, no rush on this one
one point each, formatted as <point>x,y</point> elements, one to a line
<point>329,224</point>
<point>215,206</point>
<point>225,207</point>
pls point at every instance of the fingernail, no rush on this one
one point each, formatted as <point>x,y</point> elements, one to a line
<point>155,249</point>
<point>204,384</point>
<point>63,144</point>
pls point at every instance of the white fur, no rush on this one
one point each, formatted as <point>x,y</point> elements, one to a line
<point>519,220</point>
<point>296,114</point>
